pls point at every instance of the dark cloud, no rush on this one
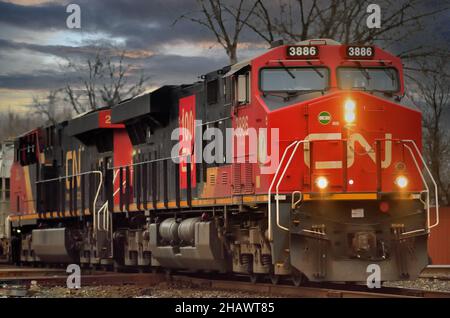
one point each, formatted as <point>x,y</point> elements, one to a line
<point>40,17</point>
<point>141,23</point>
<point>37,80</point>
<point>56,50</point>
<point>160,69</point>
<point>144,26</point>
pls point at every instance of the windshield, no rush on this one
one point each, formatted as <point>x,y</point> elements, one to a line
<point>292,79</point>
<point>370,79</point>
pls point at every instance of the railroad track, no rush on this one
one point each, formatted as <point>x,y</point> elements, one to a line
<point>441,272</point>
<point>8,271</point>
<point>16,282</point>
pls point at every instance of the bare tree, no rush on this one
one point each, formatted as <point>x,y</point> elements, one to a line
<point>225,19</point>
<point>51,108</point>
<point>342,20</point>
<point>13,123</point>
<point>104,81</point>
<point>298,20</point>
<point>432,96</point>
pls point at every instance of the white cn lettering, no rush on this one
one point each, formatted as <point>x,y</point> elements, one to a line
<point>352,140</point>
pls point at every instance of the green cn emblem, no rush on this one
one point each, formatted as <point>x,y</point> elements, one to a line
<point>324,118</point>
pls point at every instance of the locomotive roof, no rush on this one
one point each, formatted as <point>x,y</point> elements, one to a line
<point>319,41</point>
<point>82,124</point>
<point>153,104</point>
<point>238,66</point>
<point>89,112</point>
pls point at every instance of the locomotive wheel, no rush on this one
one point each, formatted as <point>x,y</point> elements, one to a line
<point>117,267</point>
<point>275,279</point>
<point>297,279</point>
<point>254,278</point>
<point>168,273</point>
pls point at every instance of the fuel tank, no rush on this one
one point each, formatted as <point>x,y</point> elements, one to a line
<point>55,245</point>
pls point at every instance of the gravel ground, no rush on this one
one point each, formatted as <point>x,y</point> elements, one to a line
<point>422,283</point>
<point>162,290</point>
<point>184,290</point>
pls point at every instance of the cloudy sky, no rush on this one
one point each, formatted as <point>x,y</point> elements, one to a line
<point>35,42</point>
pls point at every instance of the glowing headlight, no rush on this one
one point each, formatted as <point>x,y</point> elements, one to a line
<point>350,105</point>
<point>322,182</point>
<point>349,108</point>
<point>401,181</point>
<point>350,117</point>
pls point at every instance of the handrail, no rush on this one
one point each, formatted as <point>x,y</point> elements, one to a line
<point>94,203</point>
<point>427,191</point>
<point>297,143</point>
<point>104,210</point>
<point>270,238</point>
<point>436,193</point>
<point>149,161</point>
<point>279,182</point>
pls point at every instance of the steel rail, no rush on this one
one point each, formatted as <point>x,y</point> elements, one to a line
<point>311,290</point>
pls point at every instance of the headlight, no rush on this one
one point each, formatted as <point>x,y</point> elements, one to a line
<point>349,111</point>
<point>322,182</point>
<point>401,181</point>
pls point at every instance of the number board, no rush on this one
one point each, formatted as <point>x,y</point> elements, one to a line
<point>361,52</point>
<point>302,51</point>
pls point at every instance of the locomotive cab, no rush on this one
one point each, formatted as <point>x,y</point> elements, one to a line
<point>350,189</point>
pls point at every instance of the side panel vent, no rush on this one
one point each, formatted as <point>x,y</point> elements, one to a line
<point>237,186</point>
<point>248,179</point>
<point>224,178</point>
<point>212,178</point>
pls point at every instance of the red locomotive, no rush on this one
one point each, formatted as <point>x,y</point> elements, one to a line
<point>297,163</point>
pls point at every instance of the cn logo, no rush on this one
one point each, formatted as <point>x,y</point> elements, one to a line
<point>352,140</point>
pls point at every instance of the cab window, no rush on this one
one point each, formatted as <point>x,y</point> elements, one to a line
<point>381,79</point>
<point>294,79</point>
